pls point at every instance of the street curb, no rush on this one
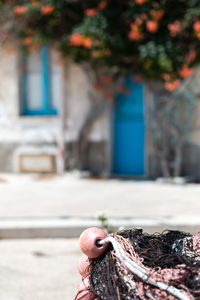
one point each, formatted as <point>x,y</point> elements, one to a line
<point>71,227</point>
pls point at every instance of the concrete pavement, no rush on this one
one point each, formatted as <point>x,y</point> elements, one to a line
<point>39,269</point>
<point>70,195</point>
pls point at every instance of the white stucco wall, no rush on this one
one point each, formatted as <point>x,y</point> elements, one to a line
<point>8,92</point>
<point>76,99</point>
<point>77,87</point>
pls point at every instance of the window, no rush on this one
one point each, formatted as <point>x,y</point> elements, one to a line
<point>41,88</point>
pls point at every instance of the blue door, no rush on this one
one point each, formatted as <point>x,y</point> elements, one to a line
<point>129,132</point>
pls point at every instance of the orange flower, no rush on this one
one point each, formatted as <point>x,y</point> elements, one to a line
<point>135,35</point>
<point>172,85</point>
<point>185,71</point>
<point>87,42</point>
<point>20,9</point>
<point>90,12</point>
<point>196,26</point>
<point>102,4</point>
<point>140,1</point>
<point>152,26</point>
<point>157,14</point>
<point>174,28</point>
<point>76,39</point>
<point>47,9</point>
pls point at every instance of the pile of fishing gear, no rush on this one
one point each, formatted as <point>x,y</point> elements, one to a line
<point>135,265</point>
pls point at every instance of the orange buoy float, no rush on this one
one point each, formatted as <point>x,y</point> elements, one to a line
<point>83,291</point>
<point>84,266</point>
<point>89,242</point>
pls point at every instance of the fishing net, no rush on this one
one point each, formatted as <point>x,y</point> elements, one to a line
<point>143,266</point>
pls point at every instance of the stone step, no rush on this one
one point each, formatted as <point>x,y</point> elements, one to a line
<point>6,296</point>
<point>71,227</point>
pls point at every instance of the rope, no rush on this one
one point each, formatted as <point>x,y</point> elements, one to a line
<point>140,271</point>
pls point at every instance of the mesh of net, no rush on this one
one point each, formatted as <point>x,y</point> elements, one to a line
<point>172,258</point>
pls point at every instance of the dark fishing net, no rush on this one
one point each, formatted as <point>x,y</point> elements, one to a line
<point>172,258</point>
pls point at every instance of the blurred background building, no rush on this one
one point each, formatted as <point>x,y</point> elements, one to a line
<point>44,103</point>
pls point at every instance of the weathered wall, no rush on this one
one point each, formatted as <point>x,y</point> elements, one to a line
<point>76,90</point>
<point>191,144</point>
<point>191,151</point>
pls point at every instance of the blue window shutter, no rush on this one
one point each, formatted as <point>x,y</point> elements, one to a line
<point>45,77</point>
<point>24,85</point>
